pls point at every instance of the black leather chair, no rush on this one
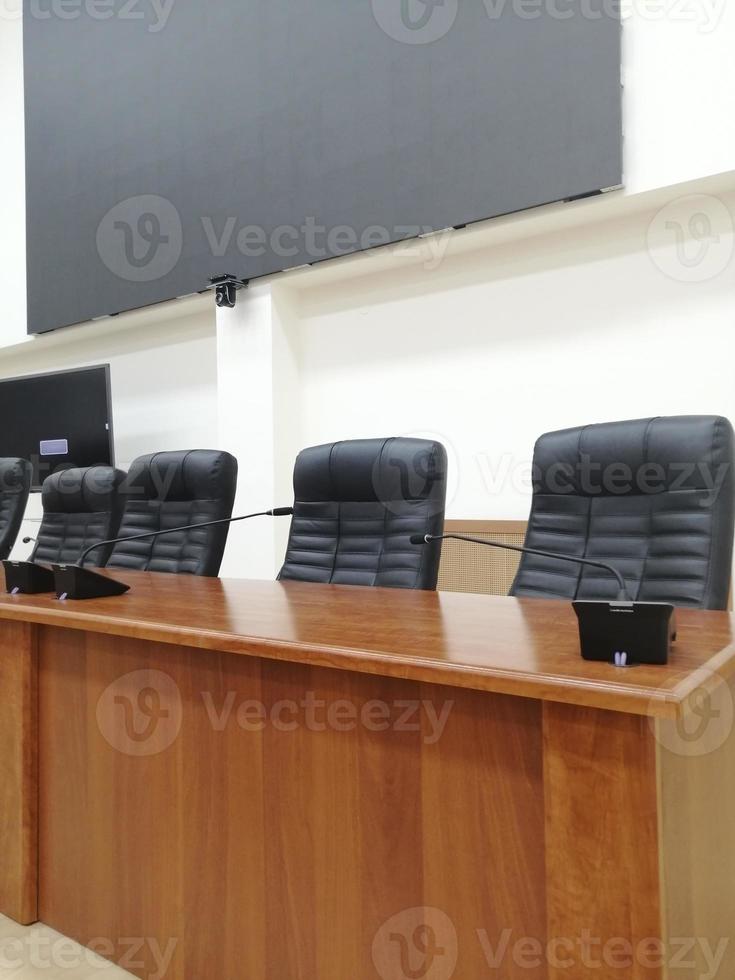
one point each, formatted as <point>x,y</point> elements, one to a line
<point>174,489</point>
<point>356,506</point>
<point>80,506</point>
<point>15,485</point>
<point>654,497</point>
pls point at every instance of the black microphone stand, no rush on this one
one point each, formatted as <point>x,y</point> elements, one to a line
<point>621,632</point>
<point>74,581</point>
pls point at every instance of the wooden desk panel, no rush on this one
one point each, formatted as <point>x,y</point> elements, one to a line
<point>550,807</point>
<point>282,853</point>
<point>18,772</point>
<point>602,854</point>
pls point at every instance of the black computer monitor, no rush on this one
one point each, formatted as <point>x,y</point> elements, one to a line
<point>58,420</point>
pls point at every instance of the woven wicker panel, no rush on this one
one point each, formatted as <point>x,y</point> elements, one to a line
<point>472,568</point>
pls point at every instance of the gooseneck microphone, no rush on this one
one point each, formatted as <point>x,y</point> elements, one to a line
<point>276,512</point>
<point>622,591</point>
<point>77,582</point>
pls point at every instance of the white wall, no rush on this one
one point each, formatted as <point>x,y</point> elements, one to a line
<point>494,347</point>
<point>679,94</point>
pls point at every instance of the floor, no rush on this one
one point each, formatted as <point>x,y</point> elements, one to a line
<point>39,953</point>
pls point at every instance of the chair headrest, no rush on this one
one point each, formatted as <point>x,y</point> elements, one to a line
<point>654,455</point>
<point>15,475</point>
<point>82,491</point>
<point>371,470</point>
<point>194,474</point>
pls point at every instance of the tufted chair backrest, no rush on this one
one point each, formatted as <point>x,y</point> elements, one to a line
<point>356,506</point>
<point>174,489</point>
<point>15,485</point>
<point>80,506</point>
<point>654,497</point>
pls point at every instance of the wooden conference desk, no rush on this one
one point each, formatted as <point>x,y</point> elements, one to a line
<point>332,826</point>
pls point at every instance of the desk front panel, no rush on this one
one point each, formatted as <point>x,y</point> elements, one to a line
<point>260,820</point>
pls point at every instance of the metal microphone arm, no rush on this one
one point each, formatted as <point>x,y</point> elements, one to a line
<point>622,596</point>
<point>276,512</point>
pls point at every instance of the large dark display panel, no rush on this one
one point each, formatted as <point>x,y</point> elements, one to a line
<point>171,141</point>
<point>57,420</point>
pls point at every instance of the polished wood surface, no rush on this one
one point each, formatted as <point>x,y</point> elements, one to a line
<point>141,798</point>
<point>696,763</point>
<point>297,851</point>
<point>520,838</point>
<point>18,772</point>
<point>524,647</point>
<point>488,874</point>
<point>602,854</point>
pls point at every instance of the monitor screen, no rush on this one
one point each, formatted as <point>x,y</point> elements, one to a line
<point>58,420</point>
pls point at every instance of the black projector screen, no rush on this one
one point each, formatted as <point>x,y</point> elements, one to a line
<point>173,140</point>
<point>58,420</point>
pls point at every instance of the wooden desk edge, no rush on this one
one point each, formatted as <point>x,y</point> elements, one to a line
<point>719,668</point>
<point>649,701</point>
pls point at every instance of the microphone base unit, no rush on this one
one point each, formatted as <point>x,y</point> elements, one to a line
<point>626,633</point>
<point>28,578</point>
<point>74,582</point>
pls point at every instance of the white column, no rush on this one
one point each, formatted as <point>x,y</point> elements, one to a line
<point>258,422</point>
